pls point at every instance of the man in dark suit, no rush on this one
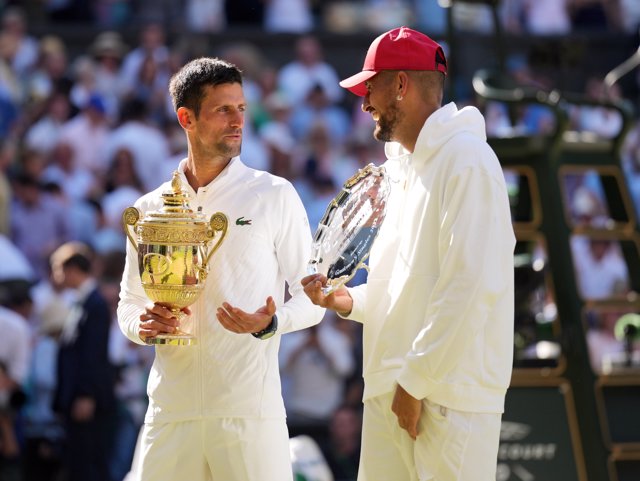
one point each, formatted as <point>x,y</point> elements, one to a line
<point>85,389</point>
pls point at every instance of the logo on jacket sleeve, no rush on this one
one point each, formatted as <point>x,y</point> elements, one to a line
<point>242,221</point>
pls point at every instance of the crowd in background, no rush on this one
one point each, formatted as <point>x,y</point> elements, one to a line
<point>83,136</point>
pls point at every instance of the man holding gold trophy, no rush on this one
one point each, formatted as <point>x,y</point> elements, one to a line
<point>209,257</point>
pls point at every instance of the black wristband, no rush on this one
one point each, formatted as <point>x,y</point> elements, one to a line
<point>268,331</point>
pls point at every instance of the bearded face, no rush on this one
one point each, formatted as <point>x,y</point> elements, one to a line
<point>387,123</point>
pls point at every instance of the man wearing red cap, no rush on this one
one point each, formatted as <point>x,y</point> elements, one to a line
<point>437,307</point>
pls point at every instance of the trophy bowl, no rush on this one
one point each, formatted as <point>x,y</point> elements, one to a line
<point>173,246</point>
<point>350,224</point>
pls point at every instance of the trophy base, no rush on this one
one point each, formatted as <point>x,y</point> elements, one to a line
<point>177,339</point>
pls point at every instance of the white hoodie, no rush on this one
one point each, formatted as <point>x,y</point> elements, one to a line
<point>438,304</point>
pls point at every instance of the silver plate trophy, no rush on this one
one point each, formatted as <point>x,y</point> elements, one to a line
<point>349,226</point>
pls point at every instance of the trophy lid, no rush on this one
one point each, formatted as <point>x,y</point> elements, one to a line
<point>175,206</point>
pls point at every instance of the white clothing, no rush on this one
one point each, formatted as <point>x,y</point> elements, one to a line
<point>76,185</point>
<point>149,147</point>
<point>15,345</point>
<point>451,445</point>
<point>205,15</point>
<point>267,244</point>
<point>317,376</point>
<point>87,140</point>
<point>599,278</point>
<point>438,305</point>
<point>291,16</point>
<point>547,17</point>
<point>43,135</point>
<point>14,263</point>
<point>219,449</point>
<point>132,63</point>
<point>115,202</point>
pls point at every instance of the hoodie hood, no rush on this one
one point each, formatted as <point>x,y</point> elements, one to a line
<point>442,125</point>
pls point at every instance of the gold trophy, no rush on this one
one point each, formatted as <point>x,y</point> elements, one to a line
<point>173,253</point>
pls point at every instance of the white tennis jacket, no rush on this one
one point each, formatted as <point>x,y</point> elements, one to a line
<point>268,244</point>
<point>438,305</point>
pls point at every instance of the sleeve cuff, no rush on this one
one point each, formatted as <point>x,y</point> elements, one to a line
<point>357,308</point>
<point>414,383</point>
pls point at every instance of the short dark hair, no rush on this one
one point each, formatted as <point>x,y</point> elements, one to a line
<point>187,85</point>
<point>73,254</point>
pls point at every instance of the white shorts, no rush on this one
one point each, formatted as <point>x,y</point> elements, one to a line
<point>225,449</point>
<point>451,445</point>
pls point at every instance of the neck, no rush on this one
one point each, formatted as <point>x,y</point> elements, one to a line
<point>415,120</point>
<point>200,173</point>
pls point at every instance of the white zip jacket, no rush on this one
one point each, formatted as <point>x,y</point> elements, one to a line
<point>438,305</point>
<point>267,244</point>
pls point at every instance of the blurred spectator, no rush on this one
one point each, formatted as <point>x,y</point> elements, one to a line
<point>290,16</point>
<point>315,363</point>
<point>150,87</point>
<point>585,198</point>
<point>43,135</point>
<point>152,44</point>
<point>14,23</point>
<point>607,353</point>
<point>320,154</point>
<point>205,16</point>
<point>277,136</point>
<point>601,271</point>
<point>86,134</point>
<point>43,431</point>
<point>603,121</point>
<point>75,181</point>
<point>84,394</point>
<point>299,76</point>
<point>83,76</point>
<point>317,192</point>
<point>360,149</point>
<point>253,65</point>
<point>132,362</point>
<point>472,17</point>
<point>15,352</point>
<point>51,72</point>
<point>38,223</point>
<point>381,15</point>
<point>107,50</point>
<point>342,448</point>
<point>123,188</point>
<point>81,217</point>
<point>318,108</point>
<point>31,163</point>
<point>147,144</point>
<point>537,17</point>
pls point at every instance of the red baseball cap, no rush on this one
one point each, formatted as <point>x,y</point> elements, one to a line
<point>398,49</point>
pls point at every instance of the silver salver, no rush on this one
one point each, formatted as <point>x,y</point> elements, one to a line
<point>345,234</point>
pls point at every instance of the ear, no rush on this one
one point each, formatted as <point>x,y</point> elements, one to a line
<point>184,117</point>
<point>402,84</point>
